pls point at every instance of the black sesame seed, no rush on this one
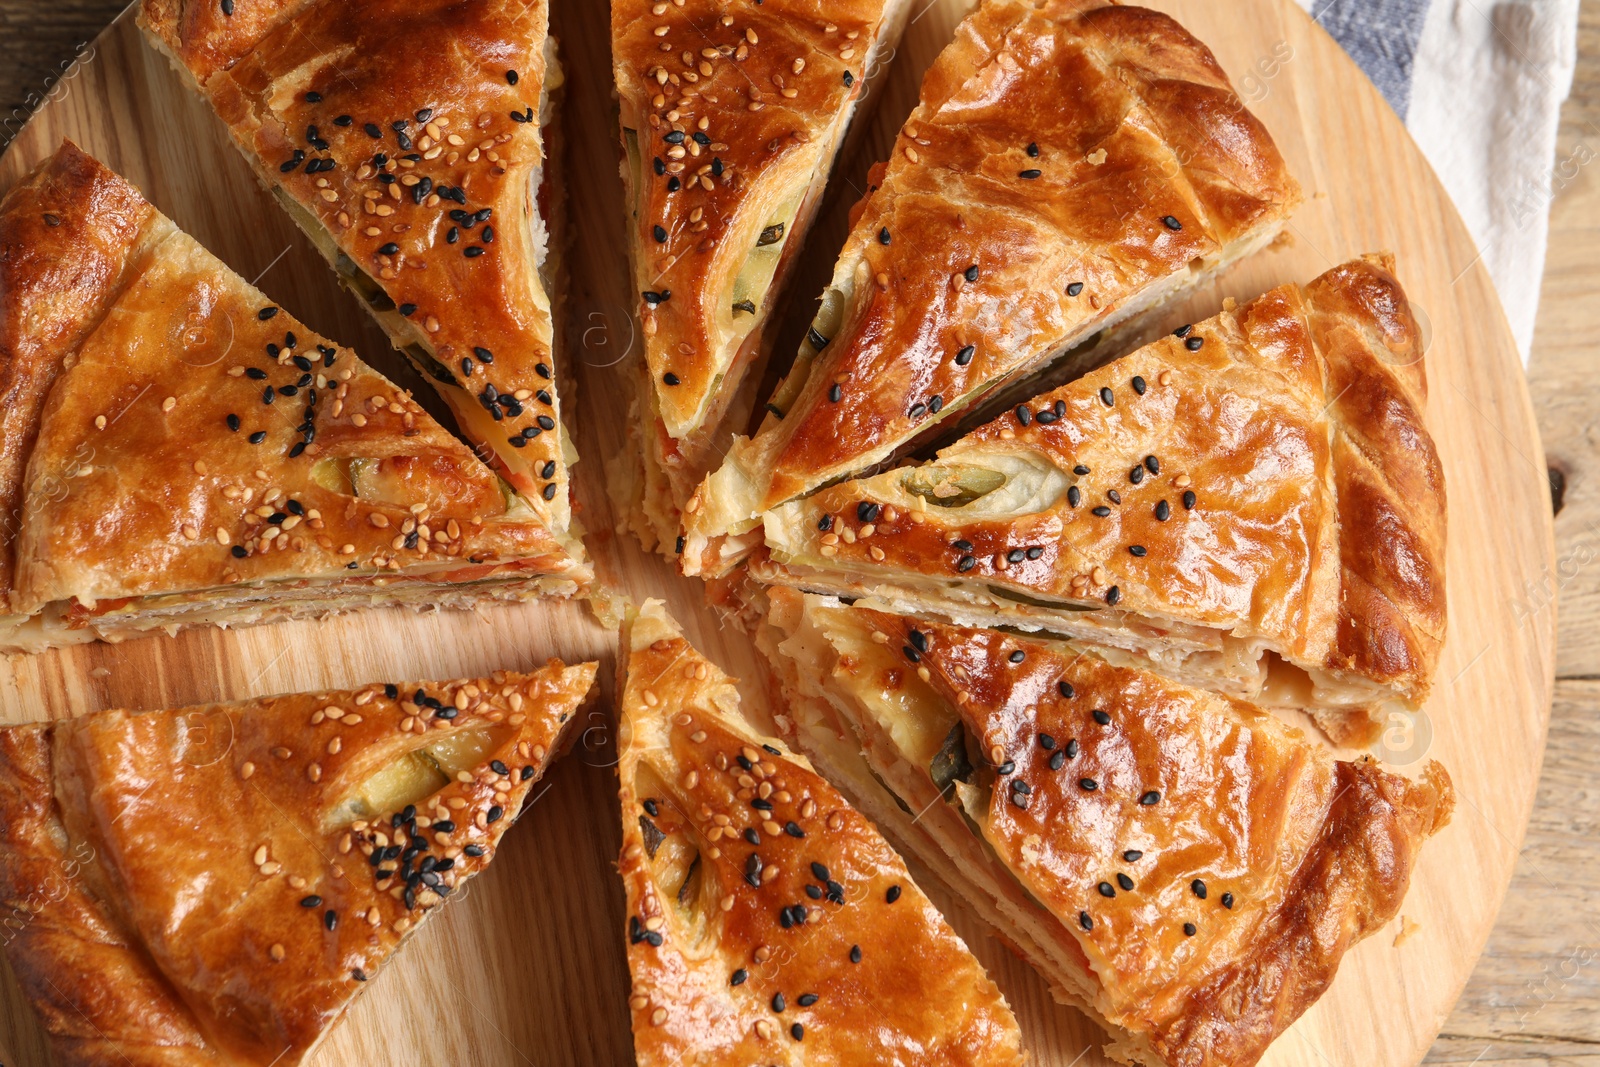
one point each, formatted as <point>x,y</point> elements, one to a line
<point>893,894</point>
<point>1139,385</point>
<point>797,1032</point>
<point>867,511</point>
<point>266,313</point>
<point>1088,785</point>
<point>1194,344</point>
<point>778,1003</point>
<point>1227,900</point>
<point>1029,174</point>
<point>820,872</point>
<point>227,8</point>
<point>1102,511</point>
<point>1084,920</point>
<point>793,829</point>
<point>233,422</point>
<point>1188,499</point>
<point>1047,742</point>
<point>1107,889</point>
<point>807,999</point>
<point>474,252</point>
<point>1101,717</point>
<point>962,545</point>
<point>1018,656</point>
<point>1072,748</point>
<point>495,812</point>
<point>1152,464</point>
<point>1199,888</point>
<point>1137,550</point>
<point>912,654</point>
<point>1058,760</point>
<point>661,235</point>
<point>1080,470</point>
<point>1066,690</point>
<point>1074,496</point>
<point>330,919</point>
<point>1113,595</point>
<point>257,437</point>
<point>835,392</point>
<point>373,131</point>
<point>389,249</point>
<point>965,563</point>
<point>919,641</point>
<point>1033,150</point>
<point>670,378</point>
<point>1136,475</point>
<point>884,236</point>
<point>936,405</point>
<point>964,356</point>
<point>825,523</point>
<point>1190,929</point>
<point>1106,396</point>
<point>1125,882</point>
<point>1171,222</point>
<point>1133,855</point>
<point>849,79</point>
<point>855,953</point>
<point>511,77</point>
<point>1150,799</point>
<point>739,977</point>
<point>1163,511</point>
<point>971,273</point>
<point>1024,416</point>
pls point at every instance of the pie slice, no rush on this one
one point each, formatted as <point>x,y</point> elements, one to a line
<point>768,923</point>
<point>1071,164</point>
<point>730,125</point>
<point>409,140</point>
<point>1181,866</point>
<point>212,886</point>
<point>1252,504</point>
<point>176,450</point>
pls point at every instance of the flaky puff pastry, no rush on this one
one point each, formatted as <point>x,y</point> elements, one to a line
<point>212,886</point>
<point>1191,870</point>
<point>1259,483</point>
<point>768,922</point>
<point>178,449</point>
<point>731,119</point>
<point>406,138</point>
<point>1071,163</point>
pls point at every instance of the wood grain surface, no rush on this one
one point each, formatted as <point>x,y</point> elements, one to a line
<point>528,968</point>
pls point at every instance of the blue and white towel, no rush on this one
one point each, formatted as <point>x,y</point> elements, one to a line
<point>1480,85</point>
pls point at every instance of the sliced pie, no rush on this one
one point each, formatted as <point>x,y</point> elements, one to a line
<point>1071,163</point>
<point>730,125</point>
<point>1181,866</point>
<point>408,139</point>
<point>1253,504</point>
<point>175,449</point>
<point>768,922</point>
<point>212,886</point>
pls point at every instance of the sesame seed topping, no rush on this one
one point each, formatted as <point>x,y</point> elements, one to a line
<point>1171,222</point>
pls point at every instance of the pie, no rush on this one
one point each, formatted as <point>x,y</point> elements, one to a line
<point>175,449</point>
<point>730,125</point>
<point>768,922</point>
<point>410,140</point>
<point>213,886</point>
<point>1071,164</point>
<point>1253,504</point>
<point>1182,866</point>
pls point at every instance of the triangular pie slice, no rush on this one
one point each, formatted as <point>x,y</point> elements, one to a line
<point>730,125</point>
<point>1071,164</point>
<point>179,450</point>
<point>768,922</point>
<point>1182,866</point>
<point>409,140</point>
<point>212,886</point>
<point>1253,504</point>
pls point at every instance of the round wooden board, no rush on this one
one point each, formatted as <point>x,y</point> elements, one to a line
<point>528,968</point>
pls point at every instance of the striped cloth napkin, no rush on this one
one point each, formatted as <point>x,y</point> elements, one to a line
<point>1479,84</point>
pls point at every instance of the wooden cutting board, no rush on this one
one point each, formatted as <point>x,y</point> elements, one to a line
<point>527,967</point>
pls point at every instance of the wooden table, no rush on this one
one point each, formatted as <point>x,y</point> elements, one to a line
<point>1535,998</point>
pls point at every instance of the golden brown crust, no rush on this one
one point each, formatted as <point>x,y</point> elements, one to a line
<point>760,99</point>
<point>222,907</point>
<point>439,213</point>
<point>174,432</point>
<point>1210,926</point>
<point>70,235</point>
<point>1228,502</point>
<point>974,260</point>
<point>744,953</point>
